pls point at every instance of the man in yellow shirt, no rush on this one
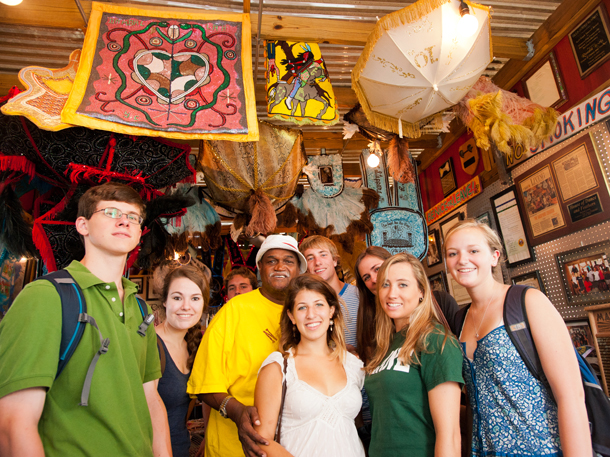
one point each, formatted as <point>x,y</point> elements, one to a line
<point>240,337</point>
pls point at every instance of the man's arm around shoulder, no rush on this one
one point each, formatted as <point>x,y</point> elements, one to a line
<point>20,412</point>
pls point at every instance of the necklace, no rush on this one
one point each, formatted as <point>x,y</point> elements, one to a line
<point>476,330</point>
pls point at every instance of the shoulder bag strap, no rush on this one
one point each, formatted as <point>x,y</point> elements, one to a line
<point>518,329</point>
<point>279,421</point>
<point>161,354</point>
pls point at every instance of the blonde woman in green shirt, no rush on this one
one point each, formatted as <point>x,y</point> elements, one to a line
<point>415,374</point>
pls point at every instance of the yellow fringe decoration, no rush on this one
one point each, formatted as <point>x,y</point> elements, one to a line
<point>411,13</point>
<point>490,123</point>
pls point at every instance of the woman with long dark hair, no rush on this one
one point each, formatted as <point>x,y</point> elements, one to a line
<point>185,299</point>
<point>323,380</point>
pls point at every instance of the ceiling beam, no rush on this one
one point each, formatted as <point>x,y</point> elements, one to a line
<point>64,13</point>
<point>354,33</point>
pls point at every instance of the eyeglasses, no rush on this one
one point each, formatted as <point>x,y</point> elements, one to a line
<point>115,213</point>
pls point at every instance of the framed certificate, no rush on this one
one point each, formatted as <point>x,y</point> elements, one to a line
<point>590,41</point>
<point>564,193</point>
<point>545,85</point>
<point>509,220</point>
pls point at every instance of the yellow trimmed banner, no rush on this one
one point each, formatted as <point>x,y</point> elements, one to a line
<point>174,75</point>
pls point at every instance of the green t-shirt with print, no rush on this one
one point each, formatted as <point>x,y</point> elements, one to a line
<point>117,420</point>
<point>398,395</point>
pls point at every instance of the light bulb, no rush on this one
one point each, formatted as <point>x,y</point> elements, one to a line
<point>373,160</point>
<point>468,25</point>
<point>11,2</point>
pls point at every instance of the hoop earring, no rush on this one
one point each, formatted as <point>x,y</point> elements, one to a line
<point>332,322</point>
<point>421,299</point>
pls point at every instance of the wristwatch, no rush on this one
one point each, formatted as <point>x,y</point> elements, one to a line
<point>223,406</point>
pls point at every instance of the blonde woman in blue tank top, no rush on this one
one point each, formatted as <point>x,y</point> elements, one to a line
<point>513,413</point>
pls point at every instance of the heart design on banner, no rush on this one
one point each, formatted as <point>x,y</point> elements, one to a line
<point>171,77</point>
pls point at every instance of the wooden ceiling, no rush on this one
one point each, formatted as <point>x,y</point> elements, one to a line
<point>43,32</point>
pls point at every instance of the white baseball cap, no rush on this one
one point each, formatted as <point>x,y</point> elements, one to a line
<point>282,242</point>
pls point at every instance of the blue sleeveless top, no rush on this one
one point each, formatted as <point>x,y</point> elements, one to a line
<point>172,390</point>
<point>514,414</point>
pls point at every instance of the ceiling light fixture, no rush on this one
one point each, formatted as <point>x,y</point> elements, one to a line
<point>468,24</point>
<point>373,161</point>
<point>11,2</point>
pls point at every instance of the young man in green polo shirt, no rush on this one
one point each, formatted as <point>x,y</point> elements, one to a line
<point>41,415</point>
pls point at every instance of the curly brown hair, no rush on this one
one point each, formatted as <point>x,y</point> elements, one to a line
<point>193,335</point>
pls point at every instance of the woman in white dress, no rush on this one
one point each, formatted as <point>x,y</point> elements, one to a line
<point>323,380</point>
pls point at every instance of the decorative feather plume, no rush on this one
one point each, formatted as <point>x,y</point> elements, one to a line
<point>399,161</point>
<point>263,219</point>
<point>155,245</point>
<point>499,116</point>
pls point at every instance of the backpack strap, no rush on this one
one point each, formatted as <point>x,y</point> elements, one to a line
<point>142,306</point>
<point>104,343</point>
<point>518,328</point>
<point>457,322</point>
<point>72,306</point>
<point>74,318</point>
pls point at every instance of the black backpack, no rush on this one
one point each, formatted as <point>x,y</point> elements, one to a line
<point>74,317</point>
<point>518,329</point>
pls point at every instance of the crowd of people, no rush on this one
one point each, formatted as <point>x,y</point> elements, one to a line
<point>304,365</point>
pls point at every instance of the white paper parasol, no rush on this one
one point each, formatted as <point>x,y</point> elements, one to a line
<point>416,63</point>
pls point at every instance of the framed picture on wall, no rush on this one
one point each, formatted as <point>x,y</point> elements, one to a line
<point>564,193</point>
<point>544,85</point>
<point>140,282</point>
<point>585,272</point>
<point>581,335</point>
<point>438,282</point>
<point>450,222</point>
<point>590,41</point>
<point>447,175</point>
<point>531,279</point>
<point>509,220</point>
<point>484,219</point>
<point>434,249</point>
<point>150,292</point>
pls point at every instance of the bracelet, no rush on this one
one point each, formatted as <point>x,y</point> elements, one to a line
<point>223,406</point>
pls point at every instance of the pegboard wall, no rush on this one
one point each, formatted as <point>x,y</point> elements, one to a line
<point>544,254</point>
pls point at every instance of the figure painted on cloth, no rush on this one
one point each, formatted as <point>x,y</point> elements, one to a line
<point>122,413</point>
<point>185,295</point>
<point>543,422</point>
<point>323,380</point>
<point>239,338</point>
<point>302,77</point>
<point>169,75</point>
<point>415,374</point>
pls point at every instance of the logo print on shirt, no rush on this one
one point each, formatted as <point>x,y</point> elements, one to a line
<point>270,335</point>
<point>392,363</point>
